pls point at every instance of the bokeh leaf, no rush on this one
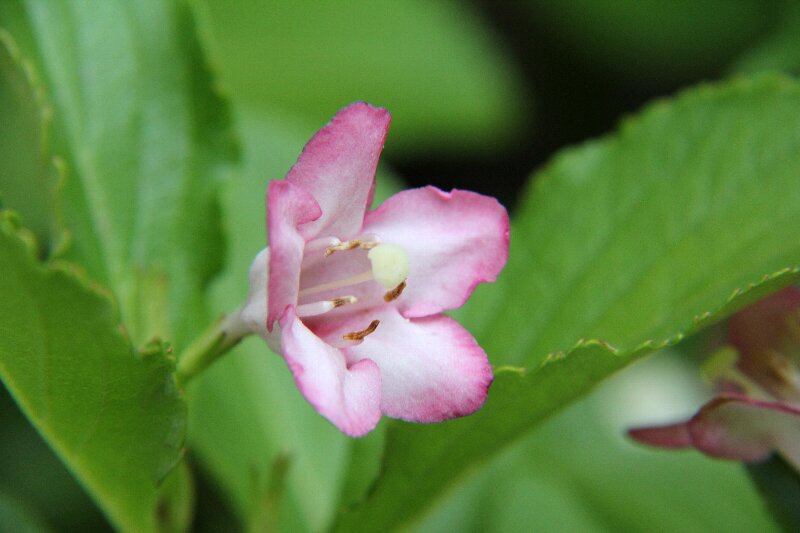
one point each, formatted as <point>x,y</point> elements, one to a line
<point>18,516</point>
<point>143,137</point>
<point>436,66</point>
<point>34,474</point>
<point>579,471</point>
<point>684,216</point>
<point>779,483</point>
<point>777,51</point>
<point>114,416</point>
<point>28,175</point>
<point>647,40</point>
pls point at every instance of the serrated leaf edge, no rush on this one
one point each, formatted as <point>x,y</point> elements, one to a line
<point>61,235</point>
<point>735,301</point>
<point>11,227</point>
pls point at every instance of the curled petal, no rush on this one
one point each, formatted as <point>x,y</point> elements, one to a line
<point>454,241</point>
<point>738,427</point>
<point>674,436</point>
<point>288,206</point>
<point>734,427</point>
<point>337,167</point>
<point>346,394</point>
<point>431,368</point>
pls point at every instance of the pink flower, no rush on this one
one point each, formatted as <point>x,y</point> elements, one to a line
<point>352,298</point>
<point>758,410</point>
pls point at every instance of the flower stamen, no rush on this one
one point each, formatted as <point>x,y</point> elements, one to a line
<point>352,280</point>
<point>395,293</point>
<point>359,335</point>
<point>322,307</point>
<point>721,366</point>
<point>389,269</point>
<point>350,245</point>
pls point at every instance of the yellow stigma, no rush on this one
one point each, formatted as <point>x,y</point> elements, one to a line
<point>389,264</point>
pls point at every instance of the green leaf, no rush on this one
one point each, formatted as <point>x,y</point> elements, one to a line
<point>112,415</point>
<point>245,411</point>
<point>778,51</point>
<point>779,484</point>
<point>28,176</point>
<point>637,239</point>
<point>436,66</point>
<point>18,516</point>
<point>143,137</point>
<point>578,472</point>
<point>32,472</point>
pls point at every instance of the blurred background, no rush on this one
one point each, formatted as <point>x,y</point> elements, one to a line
<point>482,94</point>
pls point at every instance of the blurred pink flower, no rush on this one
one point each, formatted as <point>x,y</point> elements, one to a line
<point>757,411</point>
<point>352,298</point>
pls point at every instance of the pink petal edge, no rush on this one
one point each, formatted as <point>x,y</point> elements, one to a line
<point>454,241</point>
<point>337,166</point>
<point>733,426</point>
<point>432,369</point>
<point>346,394</point>
<point>675,436</point>
<point>288,206</point>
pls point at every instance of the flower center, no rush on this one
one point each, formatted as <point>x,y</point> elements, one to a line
<point>774,377</point>
<point>388,268</point>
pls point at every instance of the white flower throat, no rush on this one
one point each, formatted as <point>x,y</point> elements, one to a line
<point>388,268</point>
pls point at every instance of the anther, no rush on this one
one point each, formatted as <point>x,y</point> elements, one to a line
<point>389,268</point>
<point>780,370</point>
<point>350,245</point>
<point>319,308</point>
<point>344,300</point>
<point>395,293</point>
<point>359,335</point>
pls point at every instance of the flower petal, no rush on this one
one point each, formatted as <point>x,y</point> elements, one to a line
<point>338,166</point>
<point>454,241</point>
<point>672,436</point>
<point>288,206</point>
<point>253,313</point>
<point>431,368</point>
<point>766,335</point>
<point>733,427</point>
<point>766,324</point>
<point>738,427</point>
<point>347,395</point>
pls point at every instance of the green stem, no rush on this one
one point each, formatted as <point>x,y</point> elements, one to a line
<point>215,342</point>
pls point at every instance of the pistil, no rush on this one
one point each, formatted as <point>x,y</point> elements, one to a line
<point>337,284</point>
<point>389,268</point>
